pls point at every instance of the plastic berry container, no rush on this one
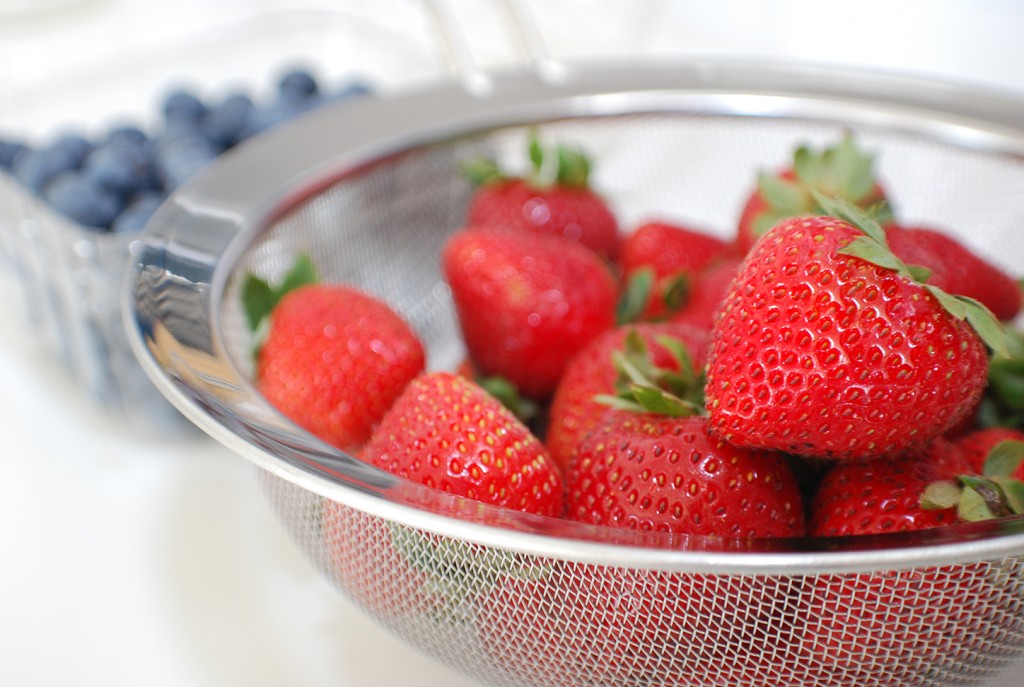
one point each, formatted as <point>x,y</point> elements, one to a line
<point>64,253</point>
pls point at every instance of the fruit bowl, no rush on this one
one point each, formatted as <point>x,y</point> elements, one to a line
<point>371,192</point>
<point>64,264</point>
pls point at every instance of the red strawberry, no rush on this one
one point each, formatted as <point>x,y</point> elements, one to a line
<point>553,199</point>
<point>654,472</point>
<point>446,432</point>
<point>588,624</point>
<point>387,584</point>
<point>955,268</point>
<point>527,302</point>
<point>884,495</point>
<point>651,472</point>
<point>575,409</point>
<point>820,352</point>
<point>673,255</point>
<point>335,359</point>
<point>842,171</point>
<point>851,618</point>
<point>977,446</point>
<point>706,295</point>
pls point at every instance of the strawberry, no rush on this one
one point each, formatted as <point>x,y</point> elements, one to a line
<point>849,618</point>
<point>334,358</point>
<point>387,584</point>
<point>671,256</point>
<point>575,407</point>
<point>647,471</point>
<point>955,268</point>
<point>447,433</point>
<point>977,445</point>
<point>650,471</point>
<point>884,494</point>
<point>588,624</point>
<point>527,302</point>
<point>554,198</point>
<point>828,347</point>
<point>842,170</point>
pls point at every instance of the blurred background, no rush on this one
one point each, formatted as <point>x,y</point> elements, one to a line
<point>136,556</point>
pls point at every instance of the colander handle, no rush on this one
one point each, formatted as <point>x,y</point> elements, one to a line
<point>529,38</point>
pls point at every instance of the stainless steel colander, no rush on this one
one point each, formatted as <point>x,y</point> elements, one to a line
<point>372,190</point>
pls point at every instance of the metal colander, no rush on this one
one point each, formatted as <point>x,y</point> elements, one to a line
<point>372,190</point>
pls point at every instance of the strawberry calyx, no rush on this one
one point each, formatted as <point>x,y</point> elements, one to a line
<point>842,170</point>
<point>633,303</point>
<point>509,396</point>
<point>994,494</point>
<point>644,387</point>
<point>259,297</point>
<point>1002,404</point>
<point>872,247</point>
<point>554,165</point>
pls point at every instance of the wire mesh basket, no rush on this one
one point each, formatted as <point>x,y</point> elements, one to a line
<point>372,191</point>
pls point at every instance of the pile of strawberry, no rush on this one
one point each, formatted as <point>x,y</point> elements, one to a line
<point>829,371</point>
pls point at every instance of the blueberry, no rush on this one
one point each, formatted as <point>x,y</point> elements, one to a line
<point>351,89</point>
<point>135,215</point>
<point>225,122</point>
<point>9,150</point>
<point>298,84</point>
<point>35,168</point>
<point>79,198</point>
<point>128,135</point>
<point>120,167</point>
<point>183,105</point>
<point>179,159</point>
<point>271,114</point>
<point>72,148</point>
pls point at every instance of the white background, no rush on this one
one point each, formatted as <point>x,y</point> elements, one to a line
<point>133,558</point>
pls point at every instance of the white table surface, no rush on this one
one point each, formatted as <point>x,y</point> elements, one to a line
<point>127,560</point>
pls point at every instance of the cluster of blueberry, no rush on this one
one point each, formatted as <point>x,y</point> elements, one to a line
<point>116,183</point>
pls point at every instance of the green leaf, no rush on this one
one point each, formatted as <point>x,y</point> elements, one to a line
<point>786,196</point>
<point>573,168</point>
<point>869,250</point>
<point>807,166</point>
<point>982,499</point>
<point>508,395</point>
<point>1004,459</point>
<point>1013,492</point>
<point>941,495</point>
<point>675,291</point>
<point>973,507</point>
<point>661,402</point>
<point>619,403</point>
<point>842,209</point>
<point>633,301</point>
<point>852,169</point>
<point>258,300</point>
<point>680,354</point>
<point>953,305</point>
<point>988,327</point>
<point>535,151</point>
<point>919,273</point>
<point>482,171</point>
<point>644,387</point>
<point>630,367</point>
<point>303,272</point>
